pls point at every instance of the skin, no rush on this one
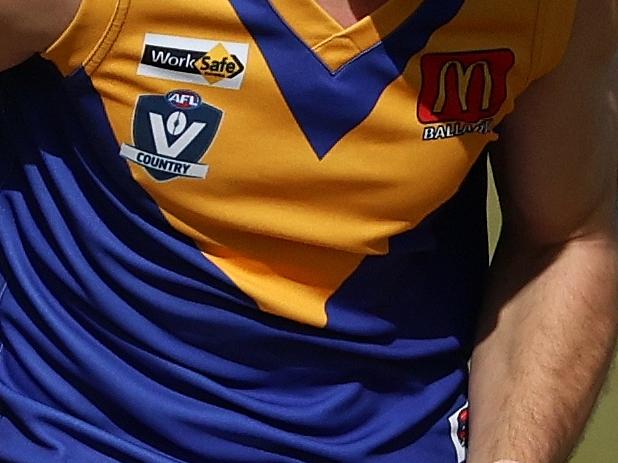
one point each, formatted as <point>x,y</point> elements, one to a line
<point>549,326</point>
<point>550,319</point>
<point>348,12</point>
<point>27,27</point>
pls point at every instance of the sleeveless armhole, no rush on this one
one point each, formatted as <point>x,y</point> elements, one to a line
<point>89,36</point>
<point>553,30</point>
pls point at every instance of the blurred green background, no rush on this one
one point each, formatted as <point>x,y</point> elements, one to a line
<point>600,442</point>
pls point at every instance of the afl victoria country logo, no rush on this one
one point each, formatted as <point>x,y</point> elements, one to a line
<point>184,99</point>
<point>172,133</point>
<point>462,92</point>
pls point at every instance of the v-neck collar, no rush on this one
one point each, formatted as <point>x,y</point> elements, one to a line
<point>327,105</point>
<point>334,44</point>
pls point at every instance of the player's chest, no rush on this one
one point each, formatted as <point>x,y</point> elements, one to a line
<point>268,99</point>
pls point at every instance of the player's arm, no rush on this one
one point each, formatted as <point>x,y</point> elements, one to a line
<point>30,26</point>
<point>550,321</point>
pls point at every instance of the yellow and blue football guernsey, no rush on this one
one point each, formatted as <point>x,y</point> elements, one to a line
<point>235,231</point>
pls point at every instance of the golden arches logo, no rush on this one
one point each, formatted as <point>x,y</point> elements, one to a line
<point>464,77</point>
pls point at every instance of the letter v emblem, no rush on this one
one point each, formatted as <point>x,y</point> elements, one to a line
<point>160,137</point>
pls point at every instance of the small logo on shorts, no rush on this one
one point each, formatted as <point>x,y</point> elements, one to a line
<point>459,432</point>
<point>197,61</point>
<point>172,133</point>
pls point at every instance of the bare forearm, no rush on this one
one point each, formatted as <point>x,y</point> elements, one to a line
<point>543,351</point>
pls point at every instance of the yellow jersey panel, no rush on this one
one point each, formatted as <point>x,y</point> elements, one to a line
<point>89,36</point>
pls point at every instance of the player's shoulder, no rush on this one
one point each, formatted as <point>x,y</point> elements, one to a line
<point>595,31</point>
<point>30,26</point>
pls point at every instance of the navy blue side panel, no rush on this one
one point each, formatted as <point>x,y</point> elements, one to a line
<point>440,264</point>
<point>421,301</point>
<point>123,344</point>
<point>344,98</point>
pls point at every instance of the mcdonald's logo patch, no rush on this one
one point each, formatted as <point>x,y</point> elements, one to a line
<point>464,87</point>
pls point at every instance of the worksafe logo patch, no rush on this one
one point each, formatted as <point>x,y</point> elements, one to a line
<point>197,61</point>
<point>462,92</point>
<point>171,134</point>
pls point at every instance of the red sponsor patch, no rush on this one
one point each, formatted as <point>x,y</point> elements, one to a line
<point>462,427</point>
<point>465,86</point>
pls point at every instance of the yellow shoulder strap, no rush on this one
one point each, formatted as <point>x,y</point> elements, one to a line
<point>89,36</point>
<point>553,31</point>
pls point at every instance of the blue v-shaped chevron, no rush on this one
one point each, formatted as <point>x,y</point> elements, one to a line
<point>327,105</point>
